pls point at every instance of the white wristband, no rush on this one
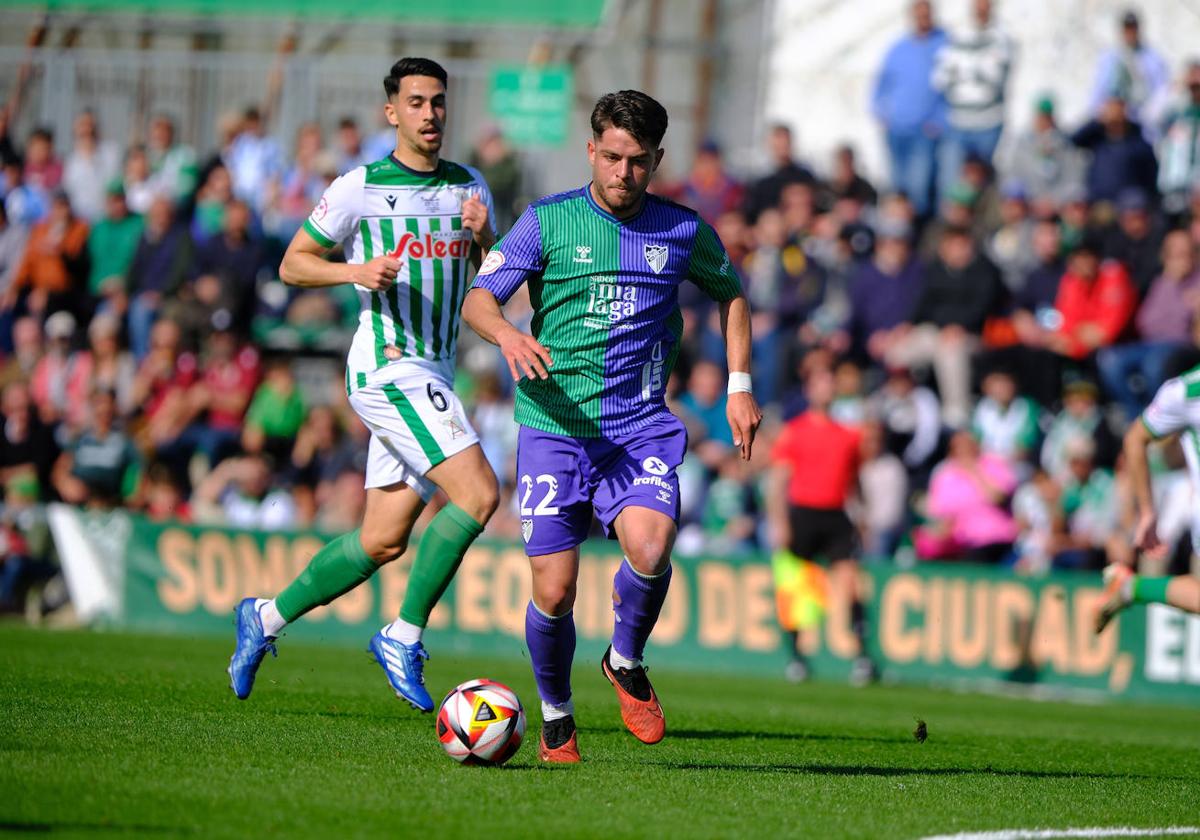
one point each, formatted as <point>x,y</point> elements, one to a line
<point>739,383</point>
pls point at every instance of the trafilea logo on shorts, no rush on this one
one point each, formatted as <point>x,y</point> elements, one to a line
<point>655,466</point>
<point>453,245</point>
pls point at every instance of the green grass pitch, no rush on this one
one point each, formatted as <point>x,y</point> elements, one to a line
<point>111,733</point>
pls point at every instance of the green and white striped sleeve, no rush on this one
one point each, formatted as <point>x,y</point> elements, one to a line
<point>1167,412</point>
<point>335,218</point>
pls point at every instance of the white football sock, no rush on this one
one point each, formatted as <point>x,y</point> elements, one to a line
<point>403,632</point>
<point>551,712</point>
<point>616,660</point>
<point>1127,589</point>
<point>268,614</point>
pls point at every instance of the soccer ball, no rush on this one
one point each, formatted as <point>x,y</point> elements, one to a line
<point>481,722</point>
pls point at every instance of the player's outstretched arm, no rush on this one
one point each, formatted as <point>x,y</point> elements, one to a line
<point>304,265</point>
<point>524,353</point>
<point>741,409</point>
<point>1137,439</point>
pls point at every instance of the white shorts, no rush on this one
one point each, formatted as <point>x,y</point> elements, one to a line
<point>416,422</point>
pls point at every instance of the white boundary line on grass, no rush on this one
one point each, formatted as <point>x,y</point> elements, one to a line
<point>1051,833</point>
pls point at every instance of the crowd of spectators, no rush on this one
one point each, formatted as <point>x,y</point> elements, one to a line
<point>992,315</point>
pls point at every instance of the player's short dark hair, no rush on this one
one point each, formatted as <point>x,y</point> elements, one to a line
<point>632,111</point>
<point>412,67</point>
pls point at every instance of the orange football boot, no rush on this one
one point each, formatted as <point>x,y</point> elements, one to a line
<point>567,751</point>
<point>640,710</point>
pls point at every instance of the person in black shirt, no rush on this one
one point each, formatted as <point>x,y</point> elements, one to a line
<point>958,292</point>
<point>766,191</point>
<point>27,446</point>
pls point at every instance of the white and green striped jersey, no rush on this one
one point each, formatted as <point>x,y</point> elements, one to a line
<point>415,217</point>
<point>1176,408</point>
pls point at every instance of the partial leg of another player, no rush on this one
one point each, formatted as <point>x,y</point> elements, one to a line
<point>334,570</point>
<point>1123,587</point>
<point>550,637</point>
<point>844,574</point>
<point>639,590</point>
<point>470,484</point>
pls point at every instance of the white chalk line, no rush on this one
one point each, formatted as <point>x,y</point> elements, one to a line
<point>1053,833</point>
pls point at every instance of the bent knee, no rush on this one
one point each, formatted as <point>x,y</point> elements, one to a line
<point>384,551</point>
<point>481,499</point>
<point>554,600</point>
<point>649,556</point>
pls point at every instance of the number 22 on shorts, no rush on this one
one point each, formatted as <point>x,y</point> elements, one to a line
<point>545,507</point>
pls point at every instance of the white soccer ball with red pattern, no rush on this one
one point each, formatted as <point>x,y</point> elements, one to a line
<point>481,722</point>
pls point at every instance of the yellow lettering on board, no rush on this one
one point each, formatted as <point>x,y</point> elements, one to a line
<point>718,621</point>
<point>1094,654</point>
<point>178,590</point>
<point>968,625</point>
<point>1012,616</point>
<point>1051,641</point>
<point>219,584</point>
<point>673,620</point>
<point>472,585</point>
<point>758,609</point>
<point>901,595</point>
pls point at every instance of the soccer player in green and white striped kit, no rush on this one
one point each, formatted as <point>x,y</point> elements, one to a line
<point>1175,410</point>
<point>411,225</point>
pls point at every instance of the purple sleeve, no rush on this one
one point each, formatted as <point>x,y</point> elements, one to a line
<point>514,259</point>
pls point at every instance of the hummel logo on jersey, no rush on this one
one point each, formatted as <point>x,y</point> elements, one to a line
<point>583,253</point>
<point>391,200</point>
<point>656,257</point>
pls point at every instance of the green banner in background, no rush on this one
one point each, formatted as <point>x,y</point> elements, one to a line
<point>533,13</point>
<point>946,624</point>
<point>532,104</point>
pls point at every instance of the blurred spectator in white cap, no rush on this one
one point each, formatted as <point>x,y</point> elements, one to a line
<point>48,384</point>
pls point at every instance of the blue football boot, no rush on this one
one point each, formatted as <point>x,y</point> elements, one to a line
<point>252,646</point>
<point>405,669</point>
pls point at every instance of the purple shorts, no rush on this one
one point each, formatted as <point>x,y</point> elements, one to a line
<point>561,479</point>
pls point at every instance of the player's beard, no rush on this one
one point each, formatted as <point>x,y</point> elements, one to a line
<point>424,146</point>
<point>622,200</point>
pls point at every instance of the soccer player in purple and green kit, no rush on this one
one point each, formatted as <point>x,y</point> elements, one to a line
<point>604,264</point>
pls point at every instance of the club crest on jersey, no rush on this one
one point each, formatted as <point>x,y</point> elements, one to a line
<point>428,246</point>
<point>656,257</point>
<point>526,529</point>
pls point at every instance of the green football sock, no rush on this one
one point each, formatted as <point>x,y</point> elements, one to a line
<point>336,569</point>
<point>1150,590</point>
<point>442,547</point>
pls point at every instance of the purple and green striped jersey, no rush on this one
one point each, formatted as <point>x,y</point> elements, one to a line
<point>605,296</point>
